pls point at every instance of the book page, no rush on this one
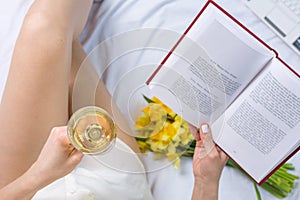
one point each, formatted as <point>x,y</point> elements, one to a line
<point>232,48</point>
<point>210,67</point>
<point>195,82</point>
<point>262,126</point>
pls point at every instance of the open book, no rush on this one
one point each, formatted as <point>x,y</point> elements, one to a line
<point>220,72</point>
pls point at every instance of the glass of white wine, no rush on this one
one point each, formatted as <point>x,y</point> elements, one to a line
<point>92,130</point>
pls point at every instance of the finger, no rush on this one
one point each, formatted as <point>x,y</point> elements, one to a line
<point>199,142</point>
<point>218,149</point>
<point>63,139</point>
<point>205,134</point>
<point>223,157</point>
<point>60,130</point>
<point>194,131</point>
<point>61,134</point>
<point>222,154</point>
<point>75,156</point>
<point>64,132</point>
<point>208,144</point>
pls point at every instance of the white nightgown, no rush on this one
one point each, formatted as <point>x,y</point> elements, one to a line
<point>118,174</point>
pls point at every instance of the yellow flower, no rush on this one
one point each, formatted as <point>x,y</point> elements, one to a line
<point>168,134</point>
<point>167,109</point>
<point>171,149</point>
<point>177,163</point>
<point>171,157</point>
<point>142,120</point>
<point>143,146</point>
<point>152,121</point>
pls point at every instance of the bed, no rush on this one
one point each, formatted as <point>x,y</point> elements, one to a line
<point>137,21</point>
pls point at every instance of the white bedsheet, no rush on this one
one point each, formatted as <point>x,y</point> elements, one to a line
<point>118,17</point>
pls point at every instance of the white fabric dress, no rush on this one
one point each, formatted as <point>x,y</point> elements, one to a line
<point>119,174</point>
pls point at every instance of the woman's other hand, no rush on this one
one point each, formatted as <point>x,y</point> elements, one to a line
<point>208,163</point>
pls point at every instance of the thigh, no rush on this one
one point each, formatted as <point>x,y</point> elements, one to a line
<point>35,98</point>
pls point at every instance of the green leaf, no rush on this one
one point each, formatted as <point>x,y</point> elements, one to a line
<point>170,118</point>
<point>273,190</point>
<point>288,166</point>
<point>148,100</point>
<point>141,139</point>
<point>257,191</point>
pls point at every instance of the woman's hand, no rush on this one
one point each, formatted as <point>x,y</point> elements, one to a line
<point>57,158</point>
<point>208,163</point>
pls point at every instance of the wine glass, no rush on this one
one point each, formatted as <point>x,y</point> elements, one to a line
<point>92,130</point>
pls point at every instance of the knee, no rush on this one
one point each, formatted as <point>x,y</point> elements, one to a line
<point>41,32</point>
<point>43,25</point>
<point>55,19</point>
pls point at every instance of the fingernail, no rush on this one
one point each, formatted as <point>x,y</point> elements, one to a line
<point>204,128</point>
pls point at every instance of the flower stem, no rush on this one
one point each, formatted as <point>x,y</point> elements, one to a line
<point>257,191</point>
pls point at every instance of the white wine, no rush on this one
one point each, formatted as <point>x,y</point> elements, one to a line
<point>91,130</point>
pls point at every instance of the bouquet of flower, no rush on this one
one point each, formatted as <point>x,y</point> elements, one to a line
<point>166,134</point>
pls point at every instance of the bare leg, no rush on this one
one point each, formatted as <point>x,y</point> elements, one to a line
<point>92,91</point>
<point>36,94</point>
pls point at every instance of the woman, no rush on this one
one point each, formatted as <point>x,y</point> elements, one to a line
<point>46,58</point>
